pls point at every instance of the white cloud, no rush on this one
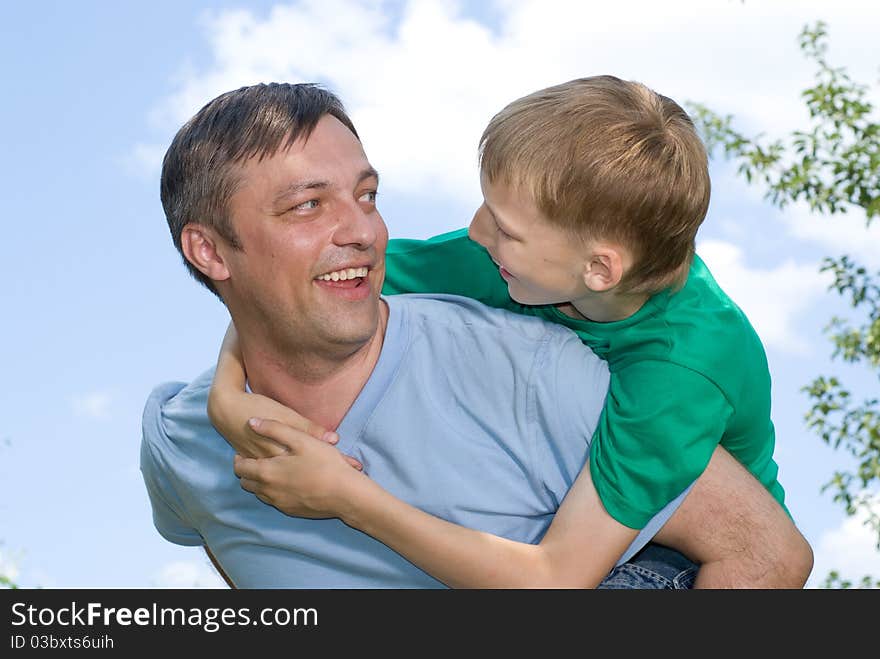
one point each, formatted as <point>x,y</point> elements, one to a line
<point>93,405</point>
<point>421,89</point>
<point>773,299</point>
<point>421,86</point>
<point>189,574</point>
<point>838,235</point>
<point>850,549</point>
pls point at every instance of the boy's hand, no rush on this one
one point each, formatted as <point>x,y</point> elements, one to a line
<point>227,410</point>
<point>311,479</point>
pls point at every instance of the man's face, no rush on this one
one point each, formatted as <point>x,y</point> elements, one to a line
<point>539,261</point>
<point>312,262</point>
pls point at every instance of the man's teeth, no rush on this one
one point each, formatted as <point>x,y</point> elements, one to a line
<point>342,275</point>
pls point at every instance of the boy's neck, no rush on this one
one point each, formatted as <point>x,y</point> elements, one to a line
<point>605,307</point>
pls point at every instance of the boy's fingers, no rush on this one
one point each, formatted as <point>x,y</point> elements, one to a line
<point>354,463</point>
<point>245,468</point>
<point>303,424</point>
<point>280,432</point>
<point>263,447</point>
<point>291,438</point>
<point>249,485</point>
<point>318,431</point>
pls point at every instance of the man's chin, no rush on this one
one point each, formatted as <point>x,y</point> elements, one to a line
<point>352,331</point>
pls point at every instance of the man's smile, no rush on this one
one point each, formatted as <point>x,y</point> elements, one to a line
<point>350,283</point>
<point>344,274</point>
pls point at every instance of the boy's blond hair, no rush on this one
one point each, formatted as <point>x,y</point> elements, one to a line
<point>608,159</point>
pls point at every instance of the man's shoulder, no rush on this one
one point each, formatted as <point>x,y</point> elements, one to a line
<point>173,406</point>
<point>460,314</point>
<point>508,368</point>
<point>467,335</point>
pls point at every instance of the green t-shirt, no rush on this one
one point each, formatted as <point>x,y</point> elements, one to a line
<point>688,372</point>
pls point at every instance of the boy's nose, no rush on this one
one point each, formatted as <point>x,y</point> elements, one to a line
<point>477,231</point>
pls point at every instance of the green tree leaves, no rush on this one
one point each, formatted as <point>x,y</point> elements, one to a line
<point>834,166</point>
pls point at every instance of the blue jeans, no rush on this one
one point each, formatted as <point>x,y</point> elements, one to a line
<point>654,567</point>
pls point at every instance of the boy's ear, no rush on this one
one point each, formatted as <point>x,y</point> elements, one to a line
<point>604,268</point>
<point>199,245</point>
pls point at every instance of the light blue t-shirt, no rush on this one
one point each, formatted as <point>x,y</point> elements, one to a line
<point>476,415</point>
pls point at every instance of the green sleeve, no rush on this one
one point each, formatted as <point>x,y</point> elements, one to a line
<point>449,263</point>
<point>658,429</point>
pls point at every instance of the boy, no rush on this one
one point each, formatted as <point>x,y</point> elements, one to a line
<point>594,191</point>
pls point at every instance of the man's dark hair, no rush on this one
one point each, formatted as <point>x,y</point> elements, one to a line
<point>199,172</point>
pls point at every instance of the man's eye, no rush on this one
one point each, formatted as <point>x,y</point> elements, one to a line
<point>369,197</point>
<point>307,205</point>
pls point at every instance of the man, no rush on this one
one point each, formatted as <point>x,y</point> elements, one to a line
<point>270,198</point>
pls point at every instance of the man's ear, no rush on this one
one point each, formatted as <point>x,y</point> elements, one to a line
<point>200,247</point>
<point>605,267</point>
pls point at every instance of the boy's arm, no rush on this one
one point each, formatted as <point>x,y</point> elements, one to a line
<point>728,522</point>
<point>580,548</point>
<point>230,406</point>
<point>450,263</point>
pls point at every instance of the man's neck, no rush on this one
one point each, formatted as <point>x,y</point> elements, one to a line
<point>319,387</point>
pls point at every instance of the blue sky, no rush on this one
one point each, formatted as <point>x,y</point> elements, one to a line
<point>99,309</point>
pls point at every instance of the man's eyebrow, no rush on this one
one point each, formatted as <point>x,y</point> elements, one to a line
<point>298,187</point>
<point>369,172</point>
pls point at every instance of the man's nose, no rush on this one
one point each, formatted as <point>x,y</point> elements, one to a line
<point>355,227</point>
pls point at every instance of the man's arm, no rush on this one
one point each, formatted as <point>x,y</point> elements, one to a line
<point>741,536</point>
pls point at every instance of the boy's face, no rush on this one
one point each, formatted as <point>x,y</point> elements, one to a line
<point>539,261</point>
